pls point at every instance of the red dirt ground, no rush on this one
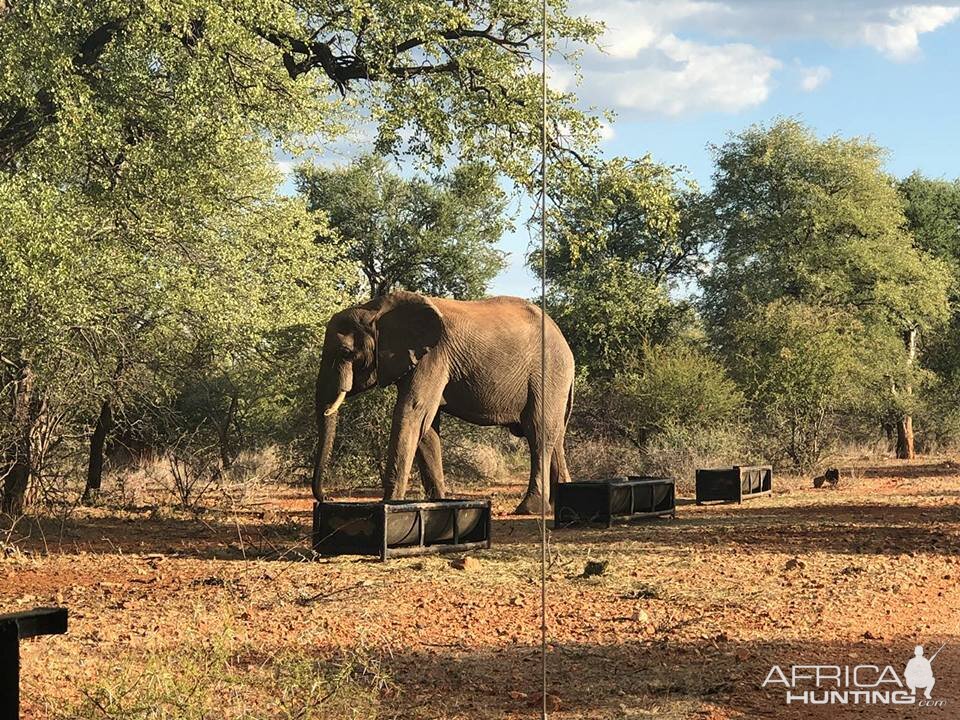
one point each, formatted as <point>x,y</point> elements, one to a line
<point>686,622</point>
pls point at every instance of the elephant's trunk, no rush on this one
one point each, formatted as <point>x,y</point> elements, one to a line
<point>342,383</point>
<point>327,432</point>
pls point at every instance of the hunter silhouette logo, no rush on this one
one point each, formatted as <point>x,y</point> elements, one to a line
<point>863,684</point>
<point>919,673</point>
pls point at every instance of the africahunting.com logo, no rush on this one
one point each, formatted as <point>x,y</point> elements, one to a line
<point>858,684</point>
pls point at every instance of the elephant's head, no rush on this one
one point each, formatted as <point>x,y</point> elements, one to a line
<point>376,343</point>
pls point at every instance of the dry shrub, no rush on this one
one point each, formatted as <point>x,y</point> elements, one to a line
<point>250,477</point>
<point>677,453</point>
<point>473,462</point>
<point>598,458</point>
<point>136,483</point>
<point>864,450</point>
<point>192,478</point>
<point>480,455</point>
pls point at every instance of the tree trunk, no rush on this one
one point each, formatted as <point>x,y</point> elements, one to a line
<point>97,441</point>
<point>905,449</point>
<point>19,457</point>
<point>905,438</point>
<point>226,451</point>
<point>889,432</point>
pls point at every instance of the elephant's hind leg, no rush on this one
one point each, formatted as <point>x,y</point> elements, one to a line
<point>536,494</point>
<point>430,463</point>
<point>558,468</point>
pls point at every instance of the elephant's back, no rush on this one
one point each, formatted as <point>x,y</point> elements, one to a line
<point>514,314</point>
<point>504,332</point>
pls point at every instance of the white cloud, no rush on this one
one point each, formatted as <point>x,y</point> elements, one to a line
<point>899,36</point>
<point>633,26</point>
<point>671,57</point>
<point>893,27</point>
<point>814,77</point>
<point>645,67</point>
<point>693,77</point>
<point>284,167</point>
<point>561,78</point>
<point>606,131</point>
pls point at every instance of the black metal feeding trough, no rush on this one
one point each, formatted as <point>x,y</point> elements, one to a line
<point>586,502</point>
<point>397,528</point>
<point>733,484</point>
<point>14,628</point>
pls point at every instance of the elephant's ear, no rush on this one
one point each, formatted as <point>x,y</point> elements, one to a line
<point>408,327</point>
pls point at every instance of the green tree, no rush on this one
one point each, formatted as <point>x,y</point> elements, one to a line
<point>621,236</point>
<point>436,237</point>
<point>932,208</point>
<point>676,386</point>
<point>94,325</point>
<point>436,79</point>
<point>816,226</point>
<point>805,367</point>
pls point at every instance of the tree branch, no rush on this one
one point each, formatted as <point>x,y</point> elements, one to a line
<point>301,56</point>
<point>27,122</point>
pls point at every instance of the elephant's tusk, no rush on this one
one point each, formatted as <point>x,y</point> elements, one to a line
<point>336,403</point>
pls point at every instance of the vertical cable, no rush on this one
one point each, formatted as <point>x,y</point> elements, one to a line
<point>544,468</point>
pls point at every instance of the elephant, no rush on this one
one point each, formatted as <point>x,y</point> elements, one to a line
<point>477,360</point>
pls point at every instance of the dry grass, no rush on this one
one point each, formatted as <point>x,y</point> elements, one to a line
<point>192,482</point>
<point>223,676</point>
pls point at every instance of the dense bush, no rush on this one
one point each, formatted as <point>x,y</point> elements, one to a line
<point>675,408</point>
<point>797,366</point>
<point>675,386</point>
<point>938,414</point>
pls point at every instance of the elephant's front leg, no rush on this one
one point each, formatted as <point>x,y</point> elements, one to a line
<point>430,463</point>
<point>417,405</point>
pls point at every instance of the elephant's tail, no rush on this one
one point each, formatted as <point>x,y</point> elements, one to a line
<point>569,411</point>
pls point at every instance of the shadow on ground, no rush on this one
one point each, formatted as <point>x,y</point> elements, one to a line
<point>209,536</point>
<point>795,523</point>
<point>836,528</point>
<point>910,470</point>
<point>641,679</point>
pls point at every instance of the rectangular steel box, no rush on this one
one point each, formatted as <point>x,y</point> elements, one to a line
<point>602,501</point>
<point>733,484</point>
<point>398,528</point>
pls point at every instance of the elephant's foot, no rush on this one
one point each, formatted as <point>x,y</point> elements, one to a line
<point>394,492</point>
<point>531,505</point>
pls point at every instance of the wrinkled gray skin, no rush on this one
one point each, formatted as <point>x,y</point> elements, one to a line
<point>475,360</point>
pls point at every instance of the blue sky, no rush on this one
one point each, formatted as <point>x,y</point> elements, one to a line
<point>697,71</point>
<point>681,74</point>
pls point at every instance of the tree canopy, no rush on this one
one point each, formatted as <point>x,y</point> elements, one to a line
<point>818,221</point>
<point>932,209</point>
<point>621,235</point>
<point>436,237</point>
<point>137,80</point>
<point>814,266</point>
